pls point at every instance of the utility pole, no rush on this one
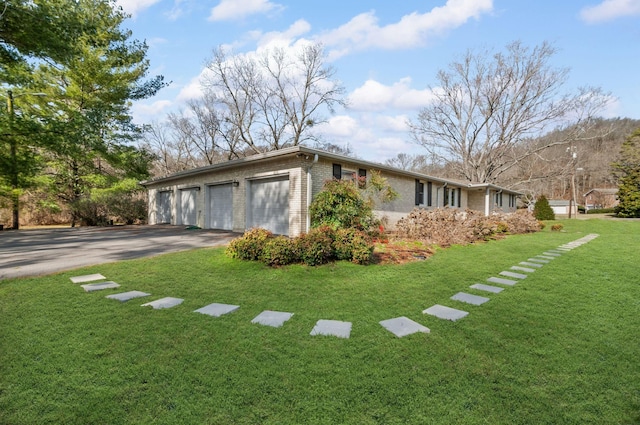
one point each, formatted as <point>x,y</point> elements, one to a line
<point>572,202</point>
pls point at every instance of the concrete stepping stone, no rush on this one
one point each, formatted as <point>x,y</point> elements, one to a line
<point>556,251</point>
<point>166,302</point>
<point>538,260</point>
<point>528,264</point>
<point>126,296</point>
<point>513,275</point>
<point>488,288</point>
<point>403,326</point>
<point>446,313</point>
<point>272,318</point>
<point>90,287</point>
<point>546,257</point>
<point>217,310</point>
<point>332,328</point>
<point>523,269</point>
<point>469,298</point>
<point>87,278</point>
<point>551,254</point>
<point>502,281</point>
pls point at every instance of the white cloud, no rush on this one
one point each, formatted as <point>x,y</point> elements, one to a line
<point>134,6</point>
<point>363,31</point>
<point>375,96</point>
<point>283,38</point>
<point>146,112</point>
<point>228,10</point>
<point>609,10</point>
<point>339,126</point>
<point>193,89</point>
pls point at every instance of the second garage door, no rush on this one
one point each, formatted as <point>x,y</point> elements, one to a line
<point>268,204</point>
<point>221,207</point>
<point>188,206</point>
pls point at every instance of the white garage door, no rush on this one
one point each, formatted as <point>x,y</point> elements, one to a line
<point>268,205</point>
<point>188,206</point>
<point>221,207</point>
<point>164,208</point>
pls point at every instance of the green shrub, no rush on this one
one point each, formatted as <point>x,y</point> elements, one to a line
<point>341,205</point>
<point>250,245</point>
<point>280,251</point>
<point>315,247</point>
<point>502,227</point>
<point>353,245</point>
<point>542,210</point>
<point>557,227</point>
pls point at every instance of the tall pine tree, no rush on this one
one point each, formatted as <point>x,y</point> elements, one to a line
<point>627,170</point>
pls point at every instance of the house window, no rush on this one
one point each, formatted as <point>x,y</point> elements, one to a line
<point>453,197</point>
<point>498,199</point>
<point>362,178</point>
<point>445,194</point>
<point>459,197</point>
<point>512,201</point>
<point>337,171</point>
<point>419,192</point>
<point>429,189</point>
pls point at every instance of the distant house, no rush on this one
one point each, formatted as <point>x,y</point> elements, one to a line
<point>601,198</point>
<point>274,190</point>
<point>561,207</point>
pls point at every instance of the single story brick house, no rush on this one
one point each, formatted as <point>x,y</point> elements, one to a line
<point>273,190</point>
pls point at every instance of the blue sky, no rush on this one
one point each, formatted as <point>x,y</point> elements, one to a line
<point>387,53</point>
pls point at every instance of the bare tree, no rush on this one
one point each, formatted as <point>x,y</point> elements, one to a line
<point>489,103</point>
<point>272,101</point>
<point>171,153</point>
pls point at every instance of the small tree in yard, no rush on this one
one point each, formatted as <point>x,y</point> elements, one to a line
<point>341,205</point>
<point>627,169</point>
<point>542,210</point>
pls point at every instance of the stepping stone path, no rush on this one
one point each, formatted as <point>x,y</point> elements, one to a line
<point>332,328</point>
<point>90,287</point>
<point>447,313</point>
<point>126,296</point>
<point>469,298</point>
<point>488,288</point>
<point>502,281</point>
<point>272,318</point>
<point>166,302</point>
<point>87,278</point>
<point>529,264</point>
<point>402,326</point>
<point>399,326</point>
<point>514,275</point>
<point>538,260</point>
<point>217,310</point>
<point>523,269</point>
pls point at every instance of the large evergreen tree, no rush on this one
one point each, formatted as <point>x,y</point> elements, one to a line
<point>627,170</point>
<point>87,78</point>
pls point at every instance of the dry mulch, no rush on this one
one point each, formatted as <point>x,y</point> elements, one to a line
<point>400,252</point>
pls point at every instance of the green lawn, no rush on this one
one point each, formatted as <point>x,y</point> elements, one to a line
<point>561,347</point>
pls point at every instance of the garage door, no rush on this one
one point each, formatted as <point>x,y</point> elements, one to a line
<point>268,205</point>
<point>188,206</point>
<point>163,208</point>
<point>221,207</point>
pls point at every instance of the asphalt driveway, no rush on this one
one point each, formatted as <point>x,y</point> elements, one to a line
<point>39,252</point>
